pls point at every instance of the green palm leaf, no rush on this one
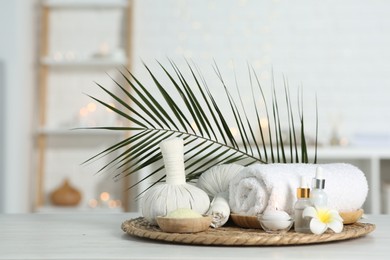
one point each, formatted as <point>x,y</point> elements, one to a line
<point>187,108</point>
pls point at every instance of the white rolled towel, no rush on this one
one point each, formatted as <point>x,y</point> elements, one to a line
<point>260,187</point>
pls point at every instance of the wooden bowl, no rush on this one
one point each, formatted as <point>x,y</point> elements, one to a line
<point>245,221</point>
<point>184,225</point>
<point>350,217</point>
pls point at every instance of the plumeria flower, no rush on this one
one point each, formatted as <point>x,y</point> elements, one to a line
<point>322,219</point>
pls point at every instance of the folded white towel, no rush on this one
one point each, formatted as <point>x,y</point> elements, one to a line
<point>261,187</point>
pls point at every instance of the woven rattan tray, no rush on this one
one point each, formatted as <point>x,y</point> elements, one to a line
<point>235,236</point>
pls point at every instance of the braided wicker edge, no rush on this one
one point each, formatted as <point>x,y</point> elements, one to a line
<point>235,236</point>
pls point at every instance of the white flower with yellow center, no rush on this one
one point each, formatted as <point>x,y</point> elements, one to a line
<point>322,219</point>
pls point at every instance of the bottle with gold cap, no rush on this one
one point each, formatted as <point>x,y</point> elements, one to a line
<point>302,224</point>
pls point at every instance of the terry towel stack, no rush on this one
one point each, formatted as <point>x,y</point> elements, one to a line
<point>269,186</point>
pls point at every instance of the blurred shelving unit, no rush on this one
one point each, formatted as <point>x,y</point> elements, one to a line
<point>65,25</point>
<point>104,62</point>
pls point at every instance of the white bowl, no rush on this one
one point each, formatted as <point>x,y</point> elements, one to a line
<point>184,225</point>
<point>275,226</point>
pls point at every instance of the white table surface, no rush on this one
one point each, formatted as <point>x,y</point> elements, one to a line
<point>99,236</point>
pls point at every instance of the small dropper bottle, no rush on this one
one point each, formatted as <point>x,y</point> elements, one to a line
<point>318,196</point>
<point>302,224</point>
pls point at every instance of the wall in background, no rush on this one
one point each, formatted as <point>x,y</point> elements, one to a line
<point>2,140</point>
<point>16,51</point>
<point>337,50</point>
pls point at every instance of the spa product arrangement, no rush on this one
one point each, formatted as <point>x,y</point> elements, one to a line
<point>276,197</point>
<point>219,135</point>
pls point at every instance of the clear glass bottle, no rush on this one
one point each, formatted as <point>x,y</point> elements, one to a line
<point>302,224</point>
<point>318,196</point>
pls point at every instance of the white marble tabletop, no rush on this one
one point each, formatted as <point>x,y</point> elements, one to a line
<point>99,236</point>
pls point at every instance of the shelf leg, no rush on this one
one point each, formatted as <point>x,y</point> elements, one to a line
<point>375,186</point>
<point>40,172</point>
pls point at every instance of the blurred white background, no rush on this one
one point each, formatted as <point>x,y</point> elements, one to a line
<point>338,51</point>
